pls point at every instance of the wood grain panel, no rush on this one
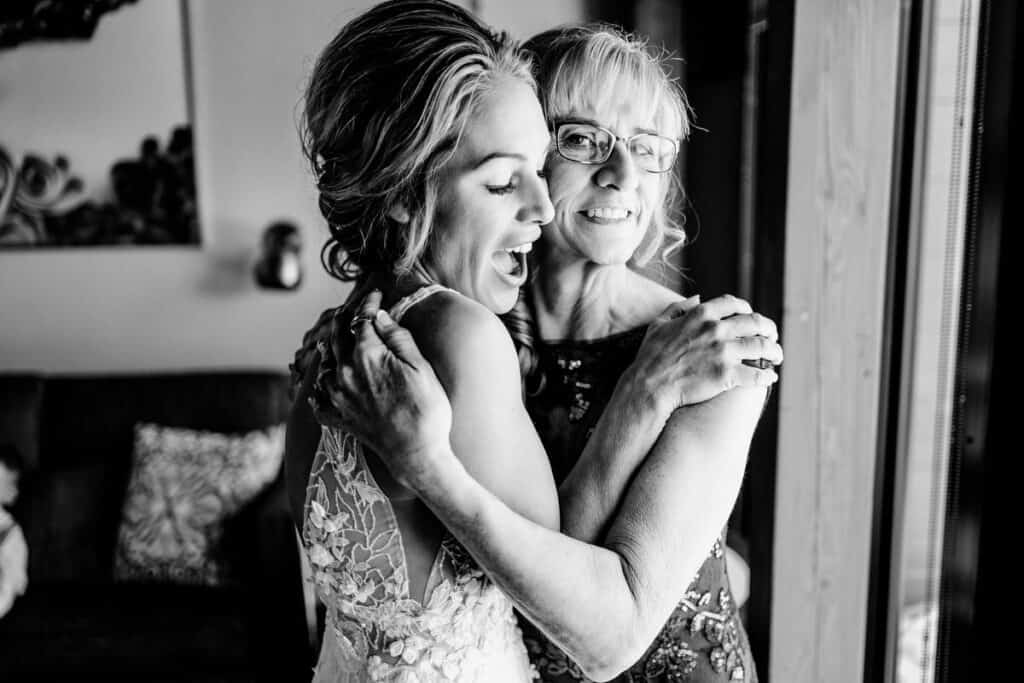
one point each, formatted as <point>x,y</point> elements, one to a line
<point>843,120</point>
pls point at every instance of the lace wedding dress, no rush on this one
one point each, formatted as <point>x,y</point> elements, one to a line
<point>464,630</point>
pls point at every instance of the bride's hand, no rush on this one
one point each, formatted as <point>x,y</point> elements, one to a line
<point>388,395</point>
<point>694,351</point>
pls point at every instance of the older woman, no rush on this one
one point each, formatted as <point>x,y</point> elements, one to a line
<point>645,404</point>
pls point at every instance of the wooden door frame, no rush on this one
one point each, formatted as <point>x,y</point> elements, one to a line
<point>845,137</point>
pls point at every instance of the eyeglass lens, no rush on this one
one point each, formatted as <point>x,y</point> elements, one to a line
<point>589,144</point>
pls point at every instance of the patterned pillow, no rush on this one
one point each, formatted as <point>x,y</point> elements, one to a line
<point>184,485</point>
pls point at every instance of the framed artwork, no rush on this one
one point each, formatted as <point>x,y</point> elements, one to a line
<point>96,135</point>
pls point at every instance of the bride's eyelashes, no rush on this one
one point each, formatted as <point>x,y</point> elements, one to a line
<point>510,186</point>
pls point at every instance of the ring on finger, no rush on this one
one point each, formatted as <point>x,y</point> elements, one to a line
<point>358,320</point>
<point>759,363</point>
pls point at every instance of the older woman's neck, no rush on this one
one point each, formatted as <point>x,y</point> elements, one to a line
<point>575,299</point>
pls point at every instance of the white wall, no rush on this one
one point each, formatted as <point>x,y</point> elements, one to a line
<point>107,309</point>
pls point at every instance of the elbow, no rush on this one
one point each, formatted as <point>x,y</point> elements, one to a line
<point>600,673</point>
<point>608,651</point>
<point>613,661</point>
<point>630,635</point>
<point>617,634</point>
<point>621,647</point>
<point>603,672</point>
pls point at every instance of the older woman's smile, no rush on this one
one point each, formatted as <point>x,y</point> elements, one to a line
<point>607,214</point>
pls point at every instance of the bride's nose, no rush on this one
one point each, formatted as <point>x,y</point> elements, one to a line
<point>537,207</point>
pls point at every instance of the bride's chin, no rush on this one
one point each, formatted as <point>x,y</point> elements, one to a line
<point>502,299</point>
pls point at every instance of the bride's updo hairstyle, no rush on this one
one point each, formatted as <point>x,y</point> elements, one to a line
<point>385,108</point>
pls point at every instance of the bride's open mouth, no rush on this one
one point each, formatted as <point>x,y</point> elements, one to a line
<point>512,261</point>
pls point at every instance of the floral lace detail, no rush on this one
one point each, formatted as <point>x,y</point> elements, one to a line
<point>465,630</point>
<point>464,627</point>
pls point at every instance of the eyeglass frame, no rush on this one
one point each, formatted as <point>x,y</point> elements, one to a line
<point>615,138</point>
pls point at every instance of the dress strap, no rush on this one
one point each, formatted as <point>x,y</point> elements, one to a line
<point>403,305</point>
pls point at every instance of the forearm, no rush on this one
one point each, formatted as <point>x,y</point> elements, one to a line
<point>680,499</point>
<point>604,605</point>
<point>624,435</point>
<point>578,594</point>
<point>681,502</point>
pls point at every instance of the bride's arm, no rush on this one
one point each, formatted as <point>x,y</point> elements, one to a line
<point>603,605</point>
<point>491,432</point>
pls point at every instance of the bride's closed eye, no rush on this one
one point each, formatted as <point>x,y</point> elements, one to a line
<point>510,186</point>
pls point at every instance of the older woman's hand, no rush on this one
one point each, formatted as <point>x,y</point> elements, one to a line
<point>694,351</point>
<point>388,395</point>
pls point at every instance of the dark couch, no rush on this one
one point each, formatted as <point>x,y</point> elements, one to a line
<point>75,435</point>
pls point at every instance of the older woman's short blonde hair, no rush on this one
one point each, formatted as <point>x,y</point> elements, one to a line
<point>385,107</point>
<point>596,66</point>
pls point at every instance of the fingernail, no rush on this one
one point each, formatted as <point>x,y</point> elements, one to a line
<point>383,317</point>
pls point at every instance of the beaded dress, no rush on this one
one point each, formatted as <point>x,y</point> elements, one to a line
<point>704,639</point>
<point>465,628</point>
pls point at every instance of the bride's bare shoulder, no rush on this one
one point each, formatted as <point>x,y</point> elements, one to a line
<point>455,331</point>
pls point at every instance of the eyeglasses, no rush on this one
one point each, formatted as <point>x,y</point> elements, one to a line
<point>586,143</point>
